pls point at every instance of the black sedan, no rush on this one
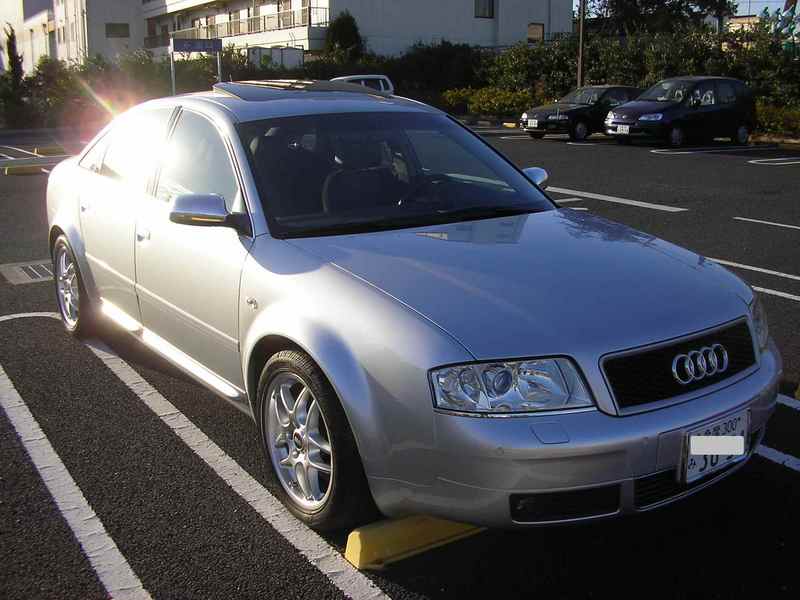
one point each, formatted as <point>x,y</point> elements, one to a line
<point>684,108</point>
<point>580,113</point>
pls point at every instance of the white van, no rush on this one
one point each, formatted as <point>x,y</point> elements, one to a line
<point>378,82</point>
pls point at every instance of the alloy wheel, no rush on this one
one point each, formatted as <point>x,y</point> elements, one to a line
<point>299,441</point>
<point>676,136</point>
<point>742,134</point>
<point>67,286</point>
<point>581,131</point>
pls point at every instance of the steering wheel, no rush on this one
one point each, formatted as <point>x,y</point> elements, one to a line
<point>426,181</point>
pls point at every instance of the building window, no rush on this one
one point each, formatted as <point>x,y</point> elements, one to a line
<point>535,32</point>
<point>118,30</point>
<point>484,9</point>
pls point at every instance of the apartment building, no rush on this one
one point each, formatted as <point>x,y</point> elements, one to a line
<point>71,30</point>
<point>389,26</point>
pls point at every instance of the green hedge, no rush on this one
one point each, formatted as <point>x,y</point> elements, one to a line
<point>779,120</point>
<point>492,101</point>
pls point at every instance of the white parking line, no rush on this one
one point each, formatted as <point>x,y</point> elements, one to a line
<point>790,402</point>
<point>567,200</point>
<point>777,293</point>
<point>576,208</point>
<point>711,149</point>
<point>757,269</point>
<point>782,161</point>
<point>112,569</point>
<point>773,223</point>
<point>319,553</point>
<point>776,456</point>
<point>614,199</point>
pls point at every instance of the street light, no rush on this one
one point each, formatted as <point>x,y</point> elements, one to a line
<point>581,19</point>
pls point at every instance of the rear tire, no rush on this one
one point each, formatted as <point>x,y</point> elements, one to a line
<point>741,136</point>
<point>77,313</point>
<point>536,136</point>
<point>313,432</point>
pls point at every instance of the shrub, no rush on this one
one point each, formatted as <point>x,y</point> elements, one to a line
<point>498,102</point>
<point>457,100</point>
<point>343,39</point>
<point>779,120</point>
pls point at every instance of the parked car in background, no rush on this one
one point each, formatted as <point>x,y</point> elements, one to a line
<point>580,113</point>
<point>409,320</point>
<point>687,108</point>
<point>377,82</point>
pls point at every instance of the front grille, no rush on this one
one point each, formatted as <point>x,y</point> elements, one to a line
<point>558,506</point>
<point>646,376</point>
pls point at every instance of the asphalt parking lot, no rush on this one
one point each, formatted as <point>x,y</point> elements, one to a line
<point>169,493</point>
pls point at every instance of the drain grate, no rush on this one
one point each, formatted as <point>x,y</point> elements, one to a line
<point>27,272</point>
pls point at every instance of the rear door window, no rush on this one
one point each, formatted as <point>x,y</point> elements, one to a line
<point>133,149</point>
<point>375,84</point>
<point>93,159</point>
<point>704,94</point>
<point>616,96</point>
<point>726,93</point>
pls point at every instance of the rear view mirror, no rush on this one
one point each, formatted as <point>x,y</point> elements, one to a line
<point>537,175</point>
<point>204,210</point>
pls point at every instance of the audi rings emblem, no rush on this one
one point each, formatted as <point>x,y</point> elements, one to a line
<point>699,364</point>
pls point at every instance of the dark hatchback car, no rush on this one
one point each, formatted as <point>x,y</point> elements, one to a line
<point>687,108</point>
<point>580,113</point>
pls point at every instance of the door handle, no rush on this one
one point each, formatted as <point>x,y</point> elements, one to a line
<point>142,235</point>
<point>85,206</point>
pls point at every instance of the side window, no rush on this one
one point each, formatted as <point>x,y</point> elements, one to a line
<point>93,160</point>
<point>704,94</point>
<point>197,162</point>
<point>375,84</point>
<point>727,95</point>
<point>130,157</point>
<point>616,96</point>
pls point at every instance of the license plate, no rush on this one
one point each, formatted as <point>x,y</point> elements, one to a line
<point>623,129</point>
<point>533,123</point>
<point>699,465</point>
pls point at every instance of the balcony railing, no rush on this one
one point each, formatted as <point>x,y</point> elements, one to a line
<point>304,17</point>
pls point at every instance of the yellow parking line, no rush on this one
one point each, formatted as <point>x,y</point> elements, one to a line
<point>378,544</point>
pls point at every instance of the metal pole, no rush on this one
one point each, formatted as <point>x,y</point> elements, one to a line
<point>172,69</point>
<point>581,18</point>
<point>219,67</point>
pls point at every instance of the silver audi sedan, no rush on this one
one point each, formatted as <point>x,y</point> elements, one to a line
<point>413,325</point>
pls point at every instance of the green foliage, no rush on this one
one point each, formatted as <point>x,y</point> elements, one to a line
<point>499,102</point>
<point>14,110</point>
<point>778,120</point>
<point>457,100</point>
<point>343,39</point>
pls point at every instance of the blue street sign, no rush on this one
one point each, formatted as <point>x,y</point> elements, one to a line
<point>182,45</point>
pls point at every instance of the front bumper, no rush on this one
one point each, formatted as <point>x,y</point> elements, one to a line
<point>491,470</point>
<point>545,126</point>
<point>656,129</point>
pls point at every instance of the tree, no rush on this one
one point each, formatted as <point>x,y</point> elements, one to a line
<point>11,84</point>
<point>653,16</point>
<point>343,39</point>
<point>14,59</point>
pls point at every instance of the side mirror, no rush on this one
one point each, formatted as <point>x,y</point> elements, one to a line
<point>537,175</point>
<point>206,210</point>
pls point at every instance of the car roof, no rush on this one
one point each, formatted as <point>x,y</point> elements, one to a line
<point>244,101</point>
<point>348,77</point>
<point>701,78</point>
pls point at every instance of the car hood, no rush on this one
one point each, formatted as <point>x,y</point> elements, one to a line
<point>637,108</point>
<point>544,283</point>
<point>539,112</point>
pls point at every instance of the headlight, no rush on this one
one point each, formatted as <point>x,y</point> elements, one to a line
<point>511,387</point>
<point>759,316</point>
<point>653,117</point>
<point>524,116</point>
<point>610,117</point>
<point>558,118</point>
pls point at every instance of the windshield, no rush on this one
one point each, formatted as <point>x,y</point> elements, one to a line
<point>587,95</point>
<point>668,91</point>
<point>347,173</point>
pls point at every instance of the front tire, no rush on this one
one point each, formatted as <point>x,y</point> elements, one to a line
<point>307,439</point>
<point>579,132</point>
<point>676,137</point>
<point>74,306</point>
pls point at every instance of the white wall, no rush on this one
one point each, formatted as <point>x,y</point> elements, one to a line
<point>391,26</point>
<point>101,12</point>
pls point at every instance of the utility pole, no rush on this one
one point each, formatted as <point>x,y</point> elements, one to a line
<point>581,19</point>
